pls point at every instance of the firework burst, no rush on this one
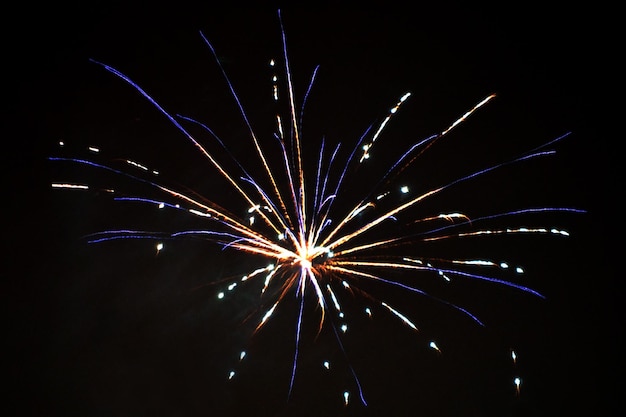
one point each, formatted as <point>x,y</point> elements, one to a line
<point>317,242</point>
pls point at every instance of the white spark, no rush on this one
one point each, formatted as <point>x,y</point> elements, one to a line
<point>70,186</point>
<point>400,315</point>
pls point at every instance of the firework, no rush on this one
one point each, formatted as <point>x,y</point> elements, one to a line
<point>312,240</point>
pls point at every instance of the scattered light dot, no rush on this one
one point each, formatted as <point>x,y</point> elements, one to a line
<point>404,189</point>
<point>326,364</point>
<point>368,311</point>
<point>161,205</point>
<point>220,295</point>
<point>346,397</point>
<point>504,265</point>
<point>344,328</point>
<point>519,270</point>
<point>159,247</point>
<point>231,374</point>
<point>242,355</point>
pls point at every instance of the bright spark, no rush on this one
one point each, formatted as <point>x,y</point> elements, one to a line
<point>70,186</point>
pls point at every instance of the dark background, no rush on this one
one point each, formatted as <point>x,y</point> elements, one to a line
<point>114,330</point>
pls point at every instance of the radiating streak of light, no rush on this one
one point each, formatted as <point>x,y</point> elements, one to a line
<point>466,115</point>
<point>400,315</point>
<point>540,230</point>
<point>475,262</point>
<point>334,298</point>
<point>199,213</point>
<point>267,315</point>
<point>136,164</point>
<point>70,186</point>
<point>368,146</point>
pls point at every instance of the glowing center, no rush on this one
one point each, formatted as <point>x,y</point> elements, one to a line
<point>306,255</point>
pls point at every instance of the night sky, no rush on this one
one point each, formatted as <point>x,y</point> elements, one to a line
<point>113,329</point>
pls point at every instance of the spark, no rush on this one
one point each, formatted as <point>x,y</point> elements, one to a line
<point>70,186</point>
<point>316,244</point>
<point>136,164</point>
<point>400,315</point>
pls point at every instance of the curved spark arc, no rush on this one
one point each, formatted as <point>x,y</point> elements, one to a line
<point>307,252</point>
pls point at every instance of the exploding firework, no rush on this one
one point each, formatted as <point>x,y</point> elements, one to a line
<point>318,240</point>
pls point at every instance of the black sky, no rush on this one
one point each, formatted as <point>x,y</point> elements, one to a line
<point>113,330</point>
